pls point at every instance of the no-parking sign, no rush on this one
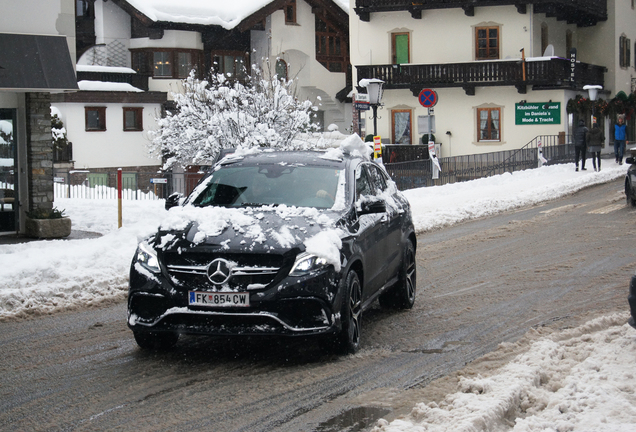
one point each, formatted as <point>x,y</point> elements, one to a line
<point>428,98</point>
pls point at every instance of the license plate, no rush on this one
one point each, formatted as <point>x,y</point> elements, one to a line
<point>219,299</point>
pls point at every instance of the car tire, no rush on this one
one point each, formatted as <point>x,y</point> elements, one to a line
<point>348,339</point>
<point>402,295</point>
<point>154,341</point>
<point>628,194</point>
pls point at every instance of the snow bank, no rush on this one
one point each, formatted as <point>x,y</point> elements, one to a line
<point>579,379</point>
<point>439,206</point>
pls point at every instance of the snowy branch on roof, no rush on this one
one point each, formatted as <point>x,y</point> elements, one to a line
<point>223,114</point>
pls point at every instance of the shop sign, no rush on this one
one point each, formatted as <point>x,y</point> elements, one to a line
<point>538,113</point>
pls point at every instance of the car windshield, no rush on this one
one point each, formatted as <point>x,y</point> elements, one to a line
<point>275,184</point>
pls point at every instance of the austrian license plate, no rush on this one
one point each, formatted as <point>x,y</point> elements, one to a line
<point>219,299</point>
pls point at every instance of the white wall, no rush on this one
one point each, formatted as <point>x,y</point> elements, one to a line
<point>456,112</point>
<point>41,17</point>
<point>171,39</point>
<point>111,148</point>
<point>447,36</point>
<point>296,44</point>
<point>111,24</point>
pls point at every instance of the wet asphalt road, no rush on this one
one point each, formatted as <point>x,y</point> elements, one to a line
<point>479,284</point>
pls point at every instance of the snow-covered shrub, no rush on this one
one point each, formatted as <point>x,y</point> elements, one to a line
<point>220,113</point>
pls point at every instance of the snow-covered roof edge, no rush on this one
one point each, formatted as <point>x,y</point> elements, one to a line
<point>203,12</point>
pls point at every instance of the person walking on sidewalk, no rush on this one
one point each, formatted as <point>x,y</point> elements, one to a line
<point>595,141</point>
<point>580,142</point>
<point>620,138</point>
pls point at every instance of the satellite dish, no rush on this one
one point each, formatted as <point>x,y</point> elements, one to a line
<point>549,51</point>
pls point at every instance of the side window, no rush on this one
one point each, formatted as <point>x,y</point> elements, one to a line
<point>488,120</point>
<point>401,126</point>
<point>133,118</point>
<point>377,178</point>
<point>281,69</point>
<point>487,43</point>
<point>363,186</point>
<point>624,55</point>
<point>290,12</point>
<point>95,118</point>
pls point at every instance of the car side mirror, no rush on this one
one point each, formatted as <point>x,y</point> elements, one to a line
<point>629,160</point>
<point>372,206</point>
<point>173,200</point>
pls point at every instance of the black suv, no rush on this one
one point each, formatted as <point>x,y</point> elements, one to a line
<point>276,243</point>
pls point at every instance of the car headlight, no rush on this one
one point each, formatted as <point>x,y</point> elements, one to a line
<point>147,257</point>
<point>305,263</point>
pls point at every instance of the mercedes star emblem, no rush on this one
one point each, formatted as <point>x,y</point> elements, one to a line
<point>219,271</point>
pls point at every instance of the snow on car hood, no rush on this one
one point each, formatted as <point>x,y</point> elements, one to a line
<point>264,229</point>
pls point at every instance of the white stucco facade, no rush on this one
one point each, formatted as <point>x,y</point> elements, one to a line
<point>296,45</point>
<point>113,147</point>
<point>41,17</point>
<point>448,36</point>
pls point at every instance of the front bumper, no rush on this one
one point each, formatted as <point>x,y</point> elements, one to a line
<point>297,306</point>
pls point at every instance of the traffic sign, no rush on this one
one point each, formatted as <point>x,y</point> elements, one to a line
<point>428,98</point>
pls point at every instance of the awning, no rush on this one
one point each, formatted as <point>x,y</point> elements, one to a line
<point>35,63</point>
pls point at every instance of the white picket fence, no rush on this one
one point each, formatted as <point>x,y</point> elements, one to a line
<point>99,192</point>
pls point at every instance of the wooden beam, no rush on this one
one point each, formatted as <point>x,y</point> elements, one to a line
<point>469,10</point>
<point>469,89</point>
<point>522,8</point>
<point>364,15</point>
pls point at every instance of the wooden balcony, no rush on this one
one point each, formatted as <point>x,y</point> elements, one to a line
<point>584,13</point>
<point>544,74</point>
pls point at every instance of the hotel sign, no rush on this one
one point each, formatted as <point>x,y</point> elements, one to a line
<point>538,113</point>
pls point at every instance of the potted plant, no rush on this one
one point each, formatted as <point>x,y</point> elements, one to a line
<point>47,223</point>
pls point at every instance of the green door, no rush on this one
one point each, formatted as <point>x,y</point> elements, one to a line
<point>97,179</point>
<point>401,48</point>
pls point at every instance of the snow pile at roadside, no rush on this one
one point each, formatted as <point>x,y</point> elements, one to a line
<point>575,380</point>
<point>48,276</point>
<point>436,207</point>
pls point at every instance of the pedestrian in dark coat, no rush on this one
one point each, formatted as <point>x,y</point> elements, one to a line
<point>595,142</point>
<point>580,142</point>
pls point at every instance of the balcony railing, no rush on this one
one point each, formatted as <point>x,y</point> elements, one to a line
<point>582,12</point>
<point>553,73</point>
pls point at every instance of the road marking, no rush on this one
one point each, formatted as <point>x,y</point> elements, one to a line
<point>461,290</point>
<point>562,208</point>
<point>607,209</point>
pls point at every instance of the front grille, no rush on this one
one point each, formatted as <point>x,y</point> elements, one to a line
<point>249,271</point>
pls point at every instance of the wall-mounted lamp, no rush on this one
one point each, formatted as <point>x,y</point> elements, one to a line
<point>547,105</point>
<point>523,102</point>
<point>448,133</point>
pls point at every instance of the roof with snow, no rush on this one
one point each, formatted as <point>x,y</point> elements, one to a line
<point>227,14</point>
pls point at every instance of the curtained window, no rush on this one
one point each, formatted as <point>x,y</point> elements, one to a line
<point>489,124</point>
<point>401,126</point>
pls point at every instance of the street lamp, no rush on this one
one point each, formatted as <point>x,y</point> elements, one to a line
<point>592,91</point>
<point>374,90</point>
